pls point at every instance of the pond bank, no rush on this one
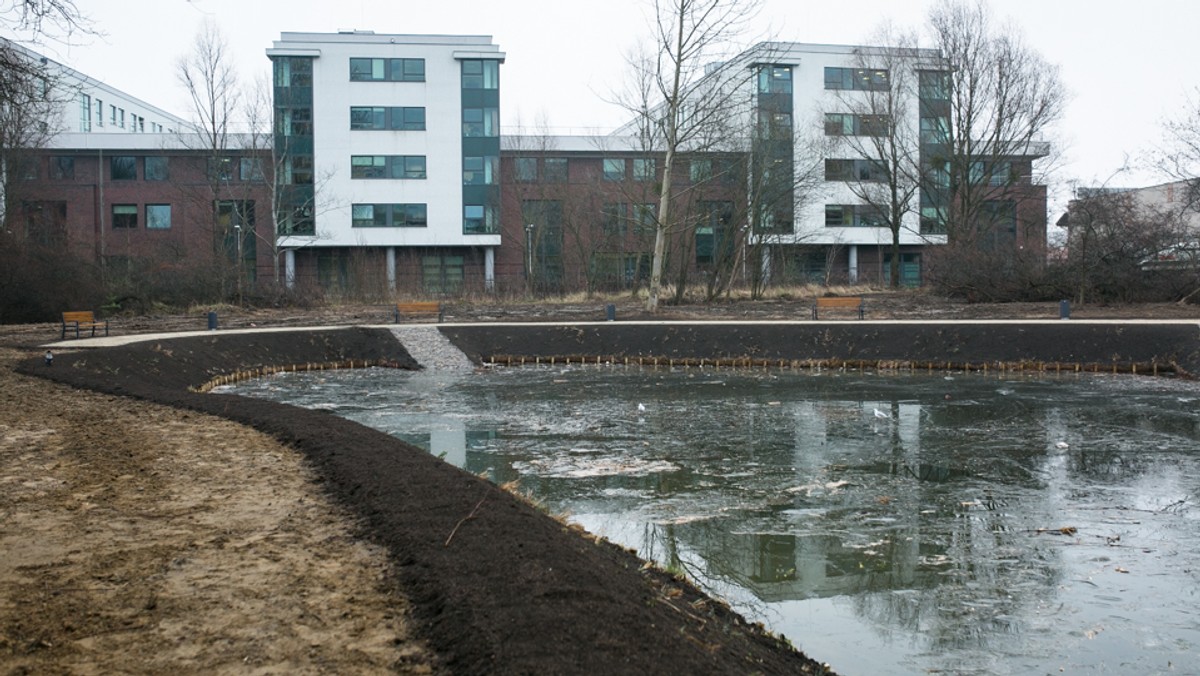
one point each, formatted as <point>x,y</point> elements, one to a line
<point>500,587</point>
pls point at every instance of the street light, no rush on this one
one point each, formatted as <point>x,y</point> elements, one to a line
<point>529,254</point>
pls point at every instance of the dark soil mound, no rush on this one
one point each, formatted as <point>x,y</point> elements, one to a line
<point>501,588</point>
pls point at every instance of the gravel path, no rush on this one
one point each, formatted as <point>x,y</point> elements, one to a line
<point>431,349</point>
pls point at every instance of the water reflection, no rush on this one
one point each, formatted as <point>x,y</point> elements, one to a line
<point>885,523</point>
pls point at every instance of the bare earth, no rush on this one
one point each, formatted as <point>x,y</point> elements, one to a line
<point>138,538</point>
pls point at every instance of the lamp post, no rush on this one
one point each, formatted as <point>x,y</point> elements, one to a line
<point>529,255</point>
<point>237,233</point>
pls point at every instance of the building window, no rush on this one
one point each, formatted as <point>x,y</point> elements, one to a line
<point>644,169</point>
<point>220,168</point>
<point>554,170</point>
<point>854,215</point>
<point>613,222</point>
<point>99,113</point>
<point>123,168</point>
<point>121,117</point>
<point>845,124</point>
<point>910,268</point>
<point>525,169</point>
<point>867,171</point>
<point>481,170</point>
<point>934,85</point>
<point>387,166</point>
<point>380,118</point>
<point>85,112</point>
<point>387,70</point>
<point>62,167</point>
<point>155,170</point>
<point>480,74</point>
<point>442,274</point>
<point>614,170</point>
<point>158,217</point>
<point>389,216</point>
<point>481,122</point>
<point>298,170</point>
<point>862,79</point>
<point>935,130</point>
<point>700,171</point>
<point>993,174</point>
<point>124,216</point>
<point>251,169</point>
<point>644,219</point>
<point>480,220</point>
<point>774,80</point>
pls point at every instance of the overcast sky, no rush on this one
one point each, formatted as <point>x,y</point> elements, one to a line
<point>1128,65</point>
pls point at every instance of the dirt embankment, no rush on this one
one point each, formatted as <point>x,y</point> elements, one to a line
<point>137,537</point>
<point>496,586</point>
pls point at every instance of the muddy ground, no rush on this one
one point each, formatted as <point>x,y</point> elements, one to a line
<point>137,537</point>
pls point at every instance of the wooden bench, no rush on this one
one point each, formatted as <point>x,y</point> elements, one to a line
<point>80,321</point>
<point>855,303</point>
<point>418,308</point>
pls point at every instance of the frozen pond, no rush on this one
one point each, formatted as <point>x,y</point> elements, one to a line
<point>885,523</point>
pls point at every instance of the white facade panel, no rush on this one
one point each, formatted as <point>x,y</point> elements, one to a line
<point>440,143</point>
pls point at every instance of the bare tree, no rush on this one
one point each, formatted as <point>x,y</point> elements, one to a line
<point>270,158</point>
<point>207,75</point>
<point>875,125</point>
<point>56,19</point>
<point>1179,157</point>
<point>1003,97</point>
<point>688,35</point>
<point>1129,245</point>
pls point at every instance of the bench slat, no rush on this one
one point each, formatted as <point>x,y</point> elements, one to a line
<point>838,302</point>
<point>417,308</point>
<point>80,320</point>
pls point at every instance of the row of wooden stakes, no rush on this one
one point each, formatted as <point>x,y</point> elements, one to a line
<point>1144,368</point>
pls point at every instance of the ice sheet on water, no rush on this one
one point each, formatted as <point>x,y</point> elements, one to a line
<point>576,467</point>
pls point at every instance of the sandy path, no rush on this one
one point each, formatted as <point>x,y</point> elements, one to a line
<point>138,538</point>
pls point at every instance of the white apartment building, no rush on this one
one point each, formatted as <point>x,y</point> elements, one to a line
<point>391,147</point>
<point>90,106</point>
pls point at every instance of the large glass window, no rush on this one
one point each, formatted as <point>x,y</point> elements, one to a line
<point>480,220</point>
<point>480,74</point>
<point>934,85</point>
<point>62,167</point>
<point>387,70</point>
<point>774,80</point>
<point>387,166</point>
<point>124,168</point>
<point>644,169</point>
<point>124,216</point>
<point>525,169</point>
<point>554,170</point>
<point>864,79</point>
<point>700,170</point>
<point>845,124</point>
<point>442,274</point>
<point>854,215</point>
<point>158,216</point>
<point>613,222</point>
<point>388,215</point>
<point>156,170</point>
<point>855,170</point>
<point>614,169</point>
<point>481,170</point>
<point>251,169</point>
<point>381,118</point>
<point>481,122</point>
